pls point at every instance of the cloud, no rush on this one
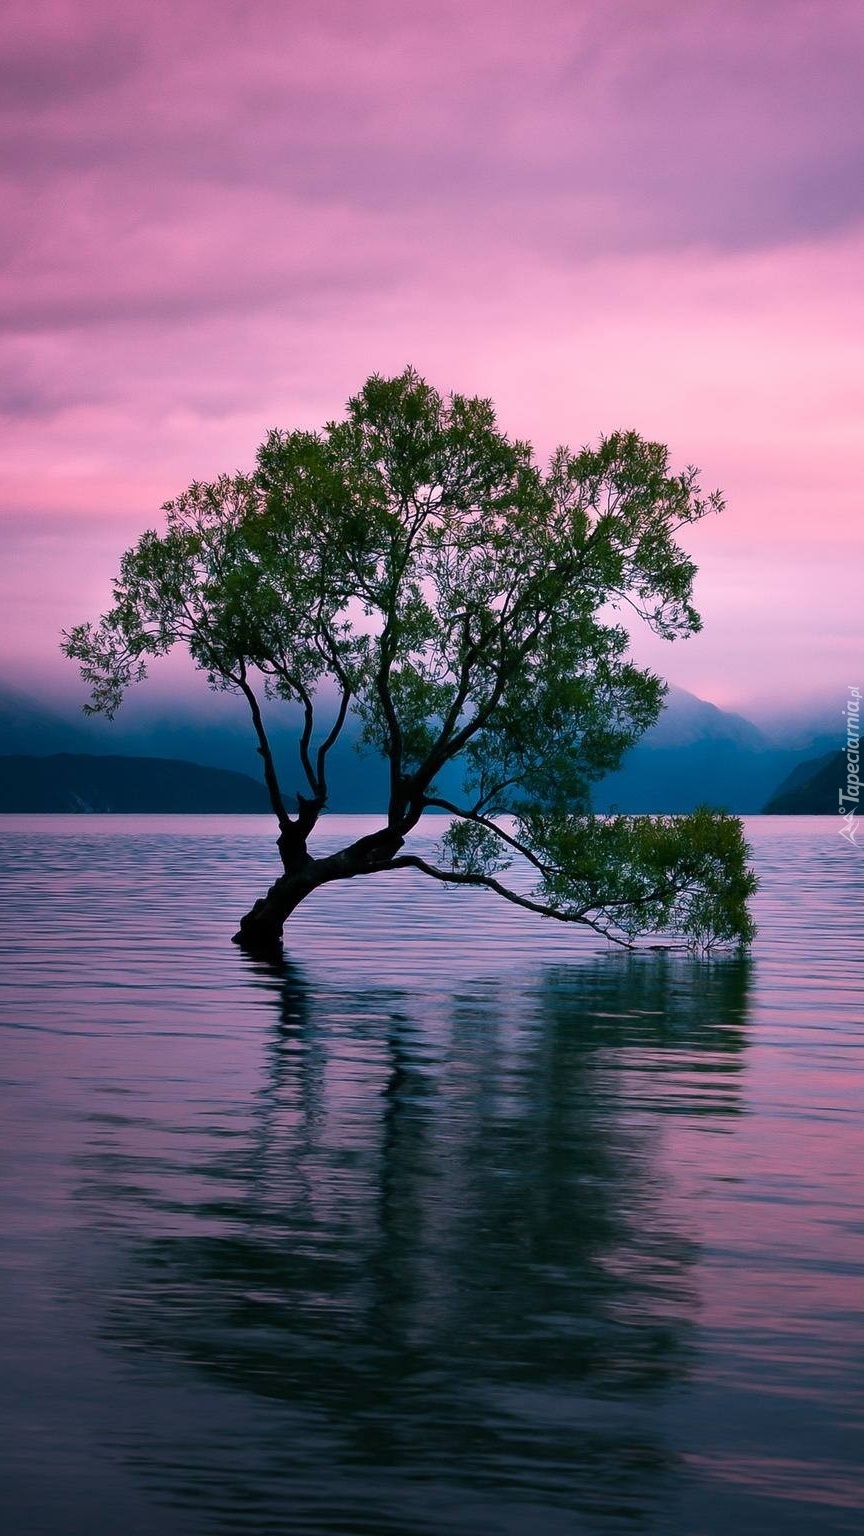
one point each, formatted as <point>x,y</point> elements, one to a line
<point>188,155</point>
<point>56,56</point>
<point>222,217</point>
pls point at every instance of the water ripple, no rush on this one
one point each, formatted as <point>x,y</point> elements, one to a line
<point>458,1222</point>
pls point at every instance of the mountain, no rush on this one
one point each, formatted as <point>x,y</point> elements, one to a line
<point>212,730</point>
<point>687,719</point>
<point>80,782</point>
<point>698,754</point>
<point>695,754</point>
<point>811,789</point>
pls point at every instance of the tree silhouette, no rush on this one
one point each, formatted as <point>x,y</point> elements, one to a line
<point>414,565</point>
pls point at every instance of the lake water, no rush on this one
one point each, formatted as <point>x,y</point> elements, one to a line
<point>464,1223</point>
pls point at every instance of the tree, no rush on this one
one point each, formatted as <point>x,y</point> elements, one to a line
<point>415,567</point>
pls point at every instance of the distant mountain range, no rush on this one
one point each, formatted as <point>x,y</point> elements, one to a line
<point>213,731</point>
<point>695,754</point>
<point>83,783</point>
<point>698,754</point>
<point>811,789</point>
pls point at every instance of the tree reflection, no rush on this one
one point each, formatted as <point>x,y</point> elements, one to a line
<point>452,1261</point>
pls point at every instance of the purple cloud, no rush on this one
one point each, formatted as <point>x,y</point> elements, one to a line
<point>218,218</point>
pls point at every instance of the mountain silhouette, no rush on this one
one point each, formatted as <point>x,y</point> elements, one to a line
<point>695,754</point>
<point>811,789</point>
<point>84,783</point>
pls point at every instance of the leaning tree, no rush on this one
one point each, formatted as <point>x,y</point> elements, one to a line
<point>413,567</point>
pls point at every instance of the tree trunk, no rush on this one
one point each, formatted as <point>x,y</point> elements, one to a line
<point>260,931</point>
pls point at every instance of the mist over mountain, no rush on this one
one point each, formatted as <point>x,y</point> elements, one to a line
<point>30,725</point>
<point>695,754</point>
<point>207,728</point>
<point>698,754</point>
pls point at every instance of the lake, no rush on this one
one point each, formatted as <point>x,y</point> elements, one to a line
<point>462,1223</point>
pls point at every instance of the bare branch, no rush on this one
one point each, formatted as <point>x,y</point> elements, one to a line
<point>270,776</point>
<point>304,696</point>
<point>329,740</point>
<point>385,698</point>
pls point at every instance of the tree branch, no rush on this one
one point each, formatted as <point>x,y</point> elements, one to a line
<point>308,721</point>
<point>270,776</point>
<point>454,877</point>
<point>330,739</point>
<point>306,739</point>
<point>491,826</point>
<point>446,748</point>
<point>394,751</point>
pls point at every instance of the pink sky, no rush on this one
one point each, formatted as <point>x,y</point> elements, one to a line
<point>219,218</point>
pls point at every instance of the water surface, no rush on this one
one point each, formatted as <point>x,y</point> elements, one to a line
<point>462,1223</point>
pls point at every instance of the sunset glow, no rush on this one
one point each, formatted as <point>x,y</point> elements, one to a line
<point>219,219</point>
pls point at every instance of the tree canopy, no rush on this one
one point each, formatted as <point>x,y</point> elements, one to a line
<point>415,567</point>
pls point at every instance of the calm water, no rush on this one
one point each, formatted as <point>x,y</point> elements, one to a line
<point>462,1224</point>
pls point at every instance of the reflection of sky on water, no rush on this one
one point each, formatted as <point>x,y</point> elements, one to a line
<point>483,1234</point>
<point>441,1250</point>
